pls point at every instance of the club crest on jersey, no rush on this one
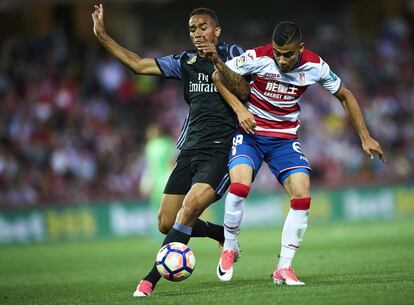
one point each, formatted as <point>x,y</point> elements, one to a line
<point>192,60</point>
<point>301,78</point>
<point>233,150</point>
<point>241,61</point>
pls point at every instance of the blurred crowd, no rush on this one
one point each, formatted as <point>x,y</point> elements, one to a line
<point>73,120</point>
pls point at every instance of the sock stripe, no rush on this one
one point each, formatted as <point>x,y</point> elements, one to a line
<point>183,228</point>
<point>231,228</point>
<point>300,203</point>
<point>239,189</point>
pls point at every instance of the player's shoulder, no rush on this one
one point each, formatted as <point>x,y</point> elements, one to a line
<point>264,51</point>
<point>227,50</point>
<point>224,46</point>
<point>310,57</point>
<point>259,56</point>
<point>185,54</point>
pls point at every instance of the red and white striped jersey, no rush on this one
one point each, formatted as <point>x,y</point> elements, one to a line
<point>274,95</point>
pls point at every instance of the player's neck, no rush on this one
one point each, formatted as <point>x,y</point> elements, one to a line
<point>297,62</point>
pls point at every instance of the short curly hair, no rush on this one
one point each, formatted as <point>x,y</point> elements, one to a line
<point>206,11</point>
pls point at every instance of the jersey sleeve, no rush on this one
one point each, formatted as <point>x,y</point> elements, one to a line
<point>170,66</point>
<point>234,51</point>
<point>329,80</point>
<point>243,64</point>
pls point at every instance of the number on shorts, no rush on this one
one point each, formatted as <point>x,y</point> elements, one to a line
<point>296,147</point>
<point>237,140</point>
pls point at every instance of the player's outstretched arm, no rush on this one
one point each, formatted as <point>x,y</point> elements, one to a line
<point>244,116</point>
<point>351,106</point>
<point>130,59</point>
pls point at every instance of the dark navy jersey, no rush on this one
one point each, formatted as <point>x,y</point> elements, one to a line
<point>210,122</point>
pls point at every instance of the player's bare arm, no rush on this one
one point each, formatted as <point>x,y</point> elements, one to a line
<point>134,62</point>
<point>351,106</point>
<point>244,116</point>
<point>234,82</point>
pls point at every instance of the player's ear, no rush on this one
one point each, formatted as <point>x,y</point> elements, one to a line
<point>301,46</point>
<point>217,31</point>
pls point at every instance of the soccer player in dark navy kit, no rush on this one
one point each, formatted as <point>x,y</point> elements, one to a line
<point>200,175</point>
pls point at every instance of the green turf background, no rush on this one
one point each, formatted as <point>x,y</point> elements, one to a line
<point>342,263</point>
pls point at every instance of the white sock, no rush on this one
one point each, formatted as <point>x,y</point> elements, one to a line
<point>232,218</point>
<point>292,235</point>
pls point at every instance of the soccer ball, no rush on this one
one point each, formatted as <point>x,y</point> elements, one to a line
<point>175,261</point>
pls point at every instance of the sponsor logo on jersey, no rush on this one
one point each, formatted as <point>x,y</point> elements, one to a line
<point>202,85</point>
<point>272,75</point>
<point>281,91</point>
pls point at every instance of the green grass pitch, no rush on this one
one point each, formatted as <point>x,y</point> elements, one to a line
<point>345,263</point>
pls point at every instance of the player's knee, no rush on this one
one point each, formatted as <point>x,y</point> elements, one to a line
<point>298,185</point>
<point>164,228</point>
<point>239,189</point>
<point>300,190</point>
<point>242,172</point>
<point>301,193</point>
<point>164,224</point>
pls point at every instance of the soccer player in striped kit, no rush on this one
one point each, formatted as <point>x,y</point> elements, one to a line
<point>280,72</point>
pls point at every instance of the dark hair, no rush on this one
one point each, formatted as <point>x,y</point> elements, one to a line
<point>286,32</point>
<point>206,11</point>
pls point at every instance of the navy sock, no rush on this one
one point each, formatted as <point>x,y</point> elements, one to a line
<point>207,229</point>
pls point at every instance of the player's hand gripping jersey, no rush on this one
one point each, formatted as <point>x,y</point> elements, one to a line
<point>211,122</point>
<point>274,95</point>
